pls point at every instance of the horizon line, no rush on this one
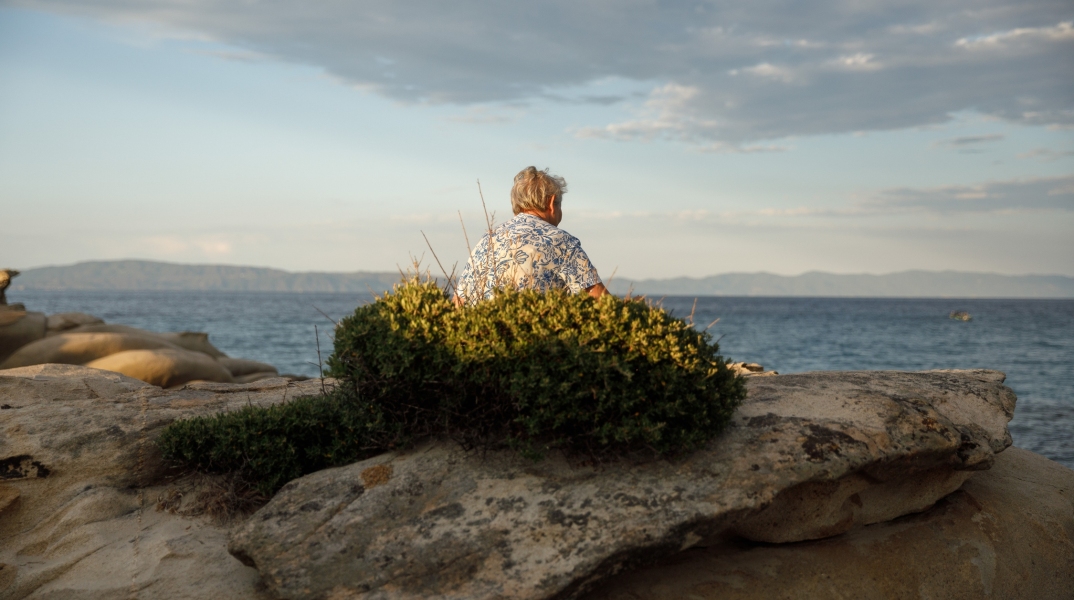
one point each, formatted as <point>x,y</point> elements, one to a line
<point>816,271</point>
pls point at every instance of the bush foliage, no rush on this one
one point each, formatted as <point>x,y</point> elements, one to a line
<point>533,371</point>
<point>271,445</point>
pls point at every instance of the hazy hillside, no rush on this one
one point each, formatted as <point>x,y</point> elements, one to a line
<point>148,275</point>
<point>928,284</point>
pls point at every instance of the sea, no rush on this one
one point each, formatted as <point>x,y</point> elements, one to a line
<point>1032,341</point>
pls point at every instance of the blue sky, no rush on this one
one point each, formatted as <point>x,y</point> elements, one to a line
<point>696,138</point>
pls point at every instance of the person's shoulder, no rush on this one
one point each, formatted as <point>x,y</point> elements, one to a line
<point>561,236</point>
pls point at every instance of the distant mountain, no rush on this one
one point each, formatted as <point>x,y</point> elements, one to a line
<point>132,275</point>
<point>907,284</point>
<point>135,275</point>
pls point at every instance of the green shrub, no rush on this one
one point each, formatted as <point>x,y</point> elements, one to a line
<point>532,371</point>
<point>269,446</point>
<point>535,371</point>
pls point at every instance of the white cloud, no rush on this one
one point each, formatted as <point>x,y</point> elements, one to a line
<point>860,61</point>
<point>1063,32</point>
<point>1008,197</point>
<point>756,72</point>
<point>768,71</point>
<point>1046,154</point>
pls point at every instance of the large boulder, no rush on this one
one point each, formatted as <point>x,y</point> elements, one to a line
<point>241,366</point>
<point>19,328</point>
<point>61,322</point>
<point>165,367</point>
<point>190,340</point>
<point>195,341</point>
<point>85,509</point>
<point>831,452</point>
<point>89,510</point>
<point>80,348</point>
<point>1008,533</point>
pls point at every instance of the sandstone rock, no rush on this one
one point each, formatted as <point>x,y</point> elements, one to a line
<point>87,477</point>
<point>1008,533</point>
<point>63,321</point>
<point>194,341</point>
<point>240,366</point>
<point>80,348</point>
<point>19,328</point>
<point>188,340</point>
<point>252,377</point>
<point>6,276</point>
<point>164,367</point>
<point>437,521</point>
<point>8,496</point>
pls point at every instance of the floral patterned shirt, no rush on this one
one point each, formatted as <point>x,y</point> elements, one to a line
<point>526,252</point>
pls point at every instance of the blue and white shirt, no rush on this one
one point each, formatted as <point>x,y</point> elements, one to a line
<point>526,253</point>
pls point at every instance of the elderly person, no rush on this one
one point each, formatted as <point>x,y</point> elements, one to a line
<point>529,251</point>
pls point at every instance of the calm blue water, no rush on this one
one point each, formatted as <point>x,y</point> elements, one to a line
<point>1030,340</point>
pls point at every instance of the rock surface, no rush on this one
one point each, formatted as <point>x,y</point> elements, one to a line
<point>241,366</point>
<point>1008,533</point>
<point>80,348</point>
<point>18,328</point>
<point>163,359</point>
<point>6,275</point>
<point>61,322</point>
<point>89,511</point>
<point>164,367</point>
<point>81,478</point>
<point>834,451</point>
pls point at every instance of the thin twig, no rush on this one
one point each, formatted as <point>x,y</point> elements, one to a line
<point>320,363</point>
<point>326,315</point>
<point>449,283</point>
<point>608,283</point>
<point>712,323</point>
<point>692,309</point>
<point>466,237</point>
<point>488,221</point>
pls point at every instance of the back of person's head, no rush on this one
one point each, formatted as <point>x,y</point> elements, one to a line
<point>533,188</point>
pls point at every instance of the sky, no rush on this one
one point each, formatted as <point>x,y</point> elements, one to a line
<point>697,138</point>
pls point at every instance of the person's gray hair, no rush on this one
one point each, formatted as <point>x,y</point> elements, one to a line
<point>533,188</point>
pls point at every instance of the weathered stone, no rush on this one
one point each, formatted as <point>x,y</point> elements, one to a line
<point>86,476</point>
<point>9,495</point>
<point>6,275</point>
<point>189,340</point>
<point>252,377</point>
<point>80,348</point>
<point>19,328</point>
<point>241,366</point>
<point>165,367</point>
<point>63,321</point>
<point>1008,533</point>
<point>194,341</point>
<point>446,523</point>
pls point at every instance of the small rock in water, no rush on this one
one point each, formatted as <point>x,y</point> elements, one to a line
<point>961,315</point>
<point>752,369</point>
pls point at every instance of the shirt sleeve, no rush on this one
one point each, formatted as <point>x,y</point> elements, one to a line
<point>578,272</point>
